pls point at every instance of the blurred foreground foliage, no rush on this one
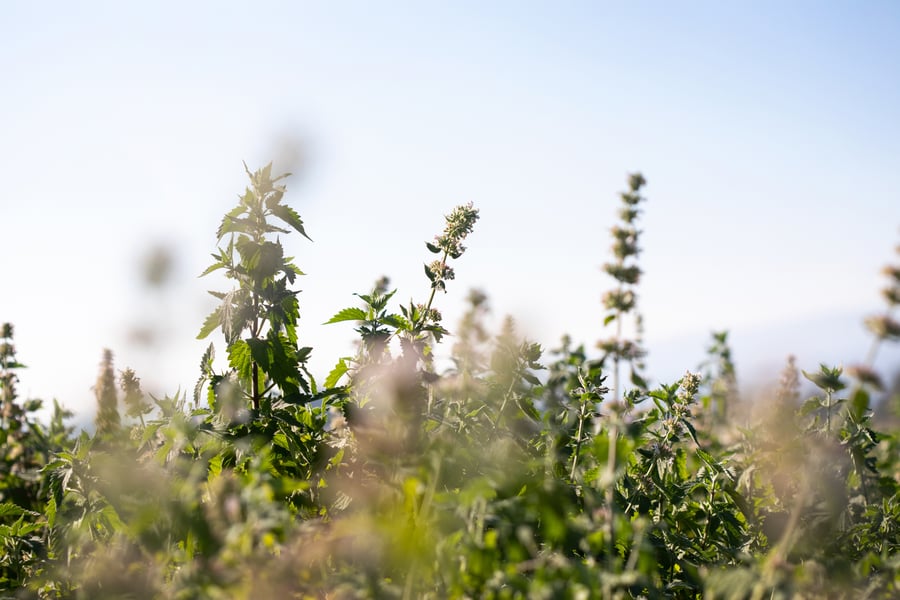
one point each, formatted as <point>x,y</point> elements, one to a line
<point>504,475</point>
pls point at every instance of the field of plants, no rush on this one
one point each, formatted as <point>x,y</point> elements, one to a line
<point>450,461</point>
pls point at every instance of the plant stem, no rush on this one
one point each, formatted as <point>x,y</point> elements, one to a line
<point>254,379</point>
<point>503,404</point>
<point>616,355</point>
<point>578,440</point>
<point>610,490</point>
<point>434,288</point>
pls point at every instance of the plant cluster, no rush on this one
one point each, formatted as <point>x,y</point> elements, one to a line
<point>503,475</point>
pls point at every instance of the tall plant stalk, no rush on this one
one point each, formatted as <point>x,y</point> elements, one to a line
<point>262,304</point>
<point>622,300</point>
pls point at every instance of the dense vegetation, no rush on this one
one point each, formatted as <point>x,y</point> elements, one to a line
<point>507,474</point>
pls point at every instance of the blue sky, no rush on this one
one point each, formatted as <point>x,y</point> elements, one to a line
<point>768,132</point>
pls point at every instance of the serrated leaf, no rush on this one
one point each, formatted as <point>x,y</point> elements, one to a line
<point>290,216</point>
<point>303,354</point>
<point>50,511</point>
<point>381,300</point>
<point>432,248</point>
<point>259,350</point>
<point>396,321</point>
<point>215,465</point>
<point>240,358</point>
<point>249,251</point>
<point>237,210</point>
<point>198,389</point>
<point>707,458</point>
<point>211,268</point>
<point>9,509</point>
<point>235,225</point>
<point>277,194</point>
<point>337,372</point>
<point>270,261</point>
<point>210,324</point>
<point>348,314</point>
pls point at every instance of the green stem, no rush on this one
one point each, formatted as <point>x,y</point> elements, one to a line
<point>434,288</point>
<point>503,404</point>
<point>610,492</point>
<point>578,440</point>
<point>616,355</point>
<point>254,382</point>
<point>255,386</point>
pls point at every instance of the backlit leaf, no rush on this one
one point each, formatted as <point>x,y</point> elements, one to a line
<point>348,314</point>
<point>290,216</point>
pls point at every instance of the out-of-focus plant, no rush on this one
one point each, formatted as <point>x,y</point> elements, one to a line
<point>26,445</point>
<point>719,379</point>
<point>108,419</point>
<point>622,301</point>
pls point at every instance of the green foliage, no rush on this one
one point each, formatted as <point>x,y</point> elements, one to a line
<point>262,306</point>
<point>499,475</point>
<point>26,446</point>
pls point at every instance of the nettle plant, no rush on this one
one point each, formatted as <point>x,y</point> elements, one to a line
<point>418,326</point>
<point>259,316</point>
<point>493,478</point>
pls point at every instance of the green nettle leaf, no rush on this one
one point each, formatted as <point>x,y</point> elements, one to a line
<point>259,350</point>
<point>271,256</point>
<point>303,354</point>
<point>210,324</point>
<point>9,509</point>
<point>397,322</point>
<point>213,267</point>
<point>235,225</point>
<point>240,358</point>
<point>290,216</point>
<point>207,359</point>
<point>250,252</point>
<point>50,511</point>
<point>348,314</point>
<point>275,197</point>
<point>215,465</point>
<point>339,370</point>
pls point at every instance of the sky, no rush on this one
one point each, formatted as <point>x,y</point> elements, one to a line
<point>768,133</point>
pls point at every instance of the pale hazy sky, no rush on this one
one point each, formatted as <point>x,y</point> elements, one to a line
<point>769,133</point>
